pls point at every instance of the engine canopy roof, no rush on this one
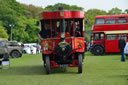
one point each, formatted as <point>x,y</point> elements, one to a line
<point>62,15</point>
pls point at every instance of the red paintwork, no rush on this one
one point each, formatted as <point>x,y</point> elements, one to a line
<point>62,15</point>
<point>74,63</point>
<point>110,45</point>
<point>51,43</point>
<point>110,27</point>
<point>76,42</point>
<point>47,52</point>
<point>43,44</point>
<point>53,64</point>
<point>99,42</point>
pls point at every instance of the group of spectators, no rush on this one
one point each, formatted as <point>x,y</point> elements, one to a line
<point>37,49</point>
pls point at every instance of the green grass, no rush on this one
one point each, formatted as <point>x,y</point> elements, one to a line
<point>97,70</point>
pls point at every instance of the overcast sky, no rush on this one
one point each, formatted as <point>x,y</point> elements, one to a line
<point>86,4</point>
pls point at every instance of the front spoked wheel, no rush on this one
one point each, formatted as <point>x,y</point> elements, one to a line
<point>80,63</point>
<point>47,59</point>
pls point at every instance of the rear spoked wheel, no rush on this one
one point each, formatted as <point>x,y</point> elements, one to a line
<point>47,59</point>
<point>80,63</point>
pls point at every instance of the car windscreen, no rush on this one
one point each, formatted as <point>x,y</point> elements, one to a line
<point>2,44</point>
<point>13,44</point>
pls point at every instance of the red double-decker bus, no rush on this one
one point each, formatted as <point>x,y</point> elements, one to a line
<point>106,33</point>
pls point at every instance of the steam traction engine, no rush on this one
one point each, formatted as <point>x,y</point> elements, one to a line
<point>63,41</point>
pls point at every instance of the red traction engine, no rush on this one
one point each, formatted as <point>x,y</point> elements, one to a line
<point>63,39</point>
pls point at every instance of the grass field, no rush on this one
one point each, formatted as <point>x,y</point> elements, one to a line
<point>97,70</point>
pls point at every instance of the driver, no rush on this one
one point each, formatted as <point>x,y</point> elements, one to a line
<point>45,33</point>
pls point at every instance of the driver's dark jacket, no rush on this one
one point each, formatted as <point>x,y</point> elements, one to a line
<point>45,33</point>
<point>121,45</point>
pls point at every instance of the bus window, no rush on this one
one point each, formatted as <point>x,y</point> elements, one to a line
<point>66,26</point>
<point>99,21</point>
<point>71,27</point>
<point>121,21</point>
<point>111,37</point>
<point>45,29</point>
<point>98,36</point>
<point>102,36</point>
<point>110,21</point>
<point>78,27</point>
<point>124,36</point>
<point>55,27</point>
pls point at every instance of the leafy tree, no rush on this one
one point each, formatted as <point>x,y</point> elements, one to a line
<point>17,7</point>
<point>27,30</point>
<point>65,6</point>
<point>115,11</point>
<point>18,31</point>
<point>32,30</point>
<point>9,12</point>
<point>25,17</point>
<point>3,32</point>
<point>126,11</point>
<point>31,11</point>
<point>90,15</point>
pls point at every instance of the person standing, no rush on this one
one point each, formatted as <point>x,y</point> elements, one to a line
<point>121,45</point>
<point>31,49</point>
<point>45,32</point>
<point>77,29</point>
<point>37,48</point>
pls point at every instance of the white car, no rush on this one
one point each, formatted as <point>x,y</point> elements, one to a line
<point>126,49</point>
<point>30,46</point>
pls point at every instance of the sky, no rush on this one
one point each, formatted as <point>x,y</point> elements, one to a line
<point>86,4</point>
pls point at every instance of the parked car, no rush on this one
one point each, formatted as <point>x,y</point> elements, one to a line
<point>4,56</point>
<point>30,48</point>
<point>15,49</point>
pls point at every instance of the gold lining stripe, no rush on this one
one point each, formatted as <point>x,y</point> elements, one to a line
<point>59,38</point>
<point>114,32</point>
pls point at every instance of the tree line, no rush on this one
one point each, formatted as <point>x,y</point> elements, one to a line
<point>24,18</point>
